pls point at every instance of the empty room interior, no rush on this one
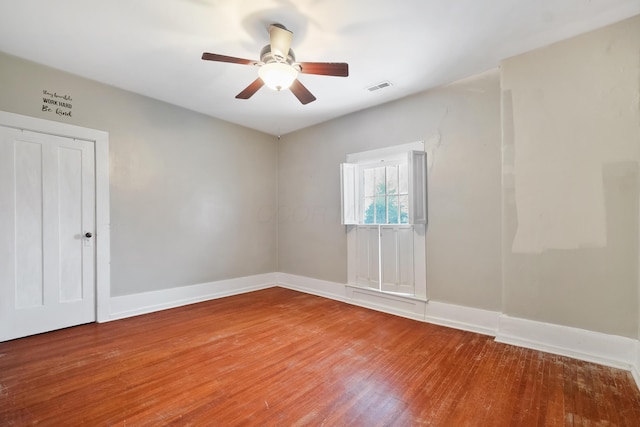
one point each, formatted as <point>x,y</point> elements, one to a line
<point>309,212</point>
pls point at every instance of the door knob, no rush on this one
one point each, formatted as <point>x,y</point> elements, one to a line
<point>88,235</point>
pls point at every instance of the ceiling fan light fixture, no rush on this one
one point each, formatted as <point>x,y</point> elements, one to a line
<point>277,75</point>
<point>278,69</point>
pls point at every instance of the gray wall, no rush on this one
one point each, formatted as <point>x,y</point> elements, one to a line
<point>192,197</point>
<point>571,125</point>
<point>566,206</point>
<point>460,124</point>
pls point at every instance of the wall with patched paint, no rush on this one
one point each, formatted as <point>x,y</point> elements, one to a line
<point>571,143</point>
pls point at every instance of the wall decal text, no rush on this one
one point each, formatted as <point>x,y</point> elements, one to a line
<point>56,103</point>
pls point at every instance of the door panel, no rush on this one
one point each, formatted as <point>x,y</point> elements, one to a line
<point>28,224</point>
<point>47,204</point>
<point>70,232</point>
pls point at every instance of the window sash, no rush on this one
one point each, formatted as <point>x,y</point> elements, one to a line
<point>352,209</point>
<point>377,199</point>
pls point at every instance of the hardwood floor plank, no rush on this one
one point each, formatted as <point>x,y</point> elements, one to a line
<point>281,358</point>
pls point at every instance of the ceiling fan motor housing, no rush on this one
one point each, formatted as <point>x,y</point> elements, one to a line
<point>266,57</point>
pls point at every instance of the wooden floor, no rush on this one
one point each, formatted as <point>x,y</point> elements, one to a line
<point>282,358</point>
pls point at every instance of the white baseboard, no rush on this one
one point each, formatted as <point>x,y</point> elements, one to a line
<point>398,305</point>
<point>604,349</point>
<point>460,317</point>
<point>454,316</point>
<point>362,297</point>
<point>148,302</point>
<point>635,369</point>
<point>322,288</point>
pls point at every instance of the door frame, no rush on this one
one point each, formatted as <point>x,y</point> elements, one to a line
<point>100,140</point>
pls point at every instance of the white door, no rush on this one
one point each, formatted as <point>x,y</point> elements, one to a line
<point>47,221</point>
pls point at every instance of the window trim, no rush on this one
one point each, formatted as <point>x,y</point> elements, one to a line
<point>414,156</point>
<point>386,153</point>
<point>413,153</point>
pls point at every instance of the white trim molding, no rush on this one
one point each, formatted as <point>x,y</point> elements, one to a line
<point>149,302</point>
<point>322,288</point>
<point>454,316</point>
<point>605,349</point>
<point>610,350</point>
<point>635,369</point>
<point>400,305</point>
<point>465,318</point>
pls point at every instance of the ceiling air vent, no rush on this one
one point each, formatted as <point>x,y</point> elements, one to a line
<point>378,86</point>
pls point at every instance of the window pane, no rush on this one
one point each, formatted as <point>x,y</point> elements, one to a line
<point>404,178</point>
<point>392,179</point>
<point>381,209</point>
<point>385,199</point>
<point>369,183</point>
<point>380,180</point>
<point>368,211</point>
<point>404,210</point>
<point>393,210</point>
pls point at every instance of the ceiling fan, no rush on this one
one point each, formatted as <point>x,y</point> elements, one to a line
<point>278,68</point>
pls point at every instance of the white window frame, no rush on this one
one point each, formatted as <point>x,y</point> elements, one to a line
<point>408,272</point>
<point>361,200</point>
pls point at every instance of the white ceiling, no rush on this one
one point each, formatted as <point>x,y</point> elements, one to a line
<point>153,47</point>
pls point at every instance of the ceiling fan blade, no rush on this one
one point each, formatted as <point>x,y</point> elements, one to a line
<point>222,58</point>
<point>251,89</point>
<point>301,92</point>
<point>338,69</point>
<point>280,41</point>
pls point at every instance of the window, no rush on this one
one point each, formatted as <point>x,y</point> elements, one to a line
<point>385,194</point>
<point>384,206</point>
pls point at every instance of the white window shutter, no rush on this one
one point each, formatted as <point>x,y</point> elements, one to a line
<point>417,187</point>
<point>349,193</point>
